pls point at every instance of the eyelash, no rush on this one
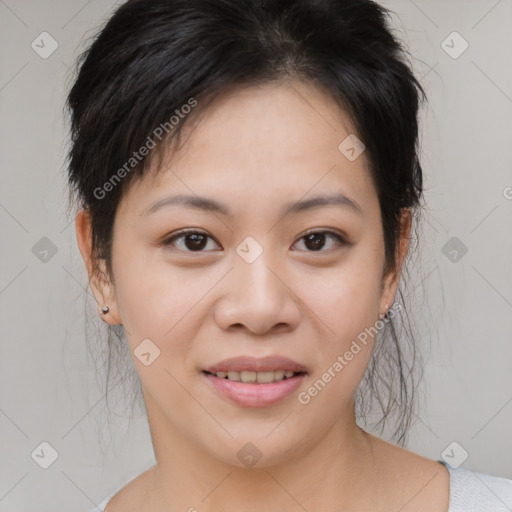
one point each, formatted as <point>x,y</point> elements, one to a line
<point>181,234</point>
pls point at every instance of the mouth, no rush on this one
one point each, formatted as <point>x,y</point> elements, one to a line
<point>255,382</point>
<point>255,388</point>
<point>253,377</point>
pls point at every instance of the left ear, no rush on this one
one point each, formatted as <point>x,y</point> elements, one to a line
<point>391,279</point>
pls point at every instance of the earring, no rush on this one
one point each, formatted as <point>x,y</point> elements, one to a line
<point>105,309</point>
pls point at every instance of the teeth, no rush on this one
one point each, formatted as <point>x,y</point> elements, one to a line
<point>279,374</point>
<point>265,377</point>
<point>246,376</point>
<point>259,377</point>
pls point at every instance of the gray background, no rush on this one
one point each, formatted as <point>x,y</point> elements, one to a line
<point>49,389</point>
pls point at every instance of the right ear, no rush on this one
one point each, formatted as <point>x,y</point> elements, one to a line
<point>99,280</point>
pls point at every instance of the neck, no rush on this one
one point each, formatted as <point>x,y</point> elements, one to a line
<point>334,474</point>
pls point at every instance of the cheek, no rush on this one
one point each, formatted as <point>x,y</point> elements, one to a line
<point>345,298</point>
<point>346,306</point>
<point>155,300</point>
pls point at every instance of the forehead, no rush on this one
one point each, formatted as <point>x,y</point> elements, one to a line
<point>260,145</point>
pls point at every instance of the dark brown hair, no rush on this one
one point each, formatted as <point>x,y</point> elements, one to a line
<point>153,56</point>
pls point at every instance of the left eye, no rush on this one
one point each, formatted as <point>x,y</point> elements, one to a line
<point>316,239</point>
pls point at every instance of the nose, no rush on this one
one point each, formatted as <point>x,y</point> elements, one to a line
<point>258,297</point>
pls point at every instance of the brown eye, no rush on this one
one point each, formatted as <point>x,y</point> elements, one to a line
<point>189,241</point>
<point>315,241</point>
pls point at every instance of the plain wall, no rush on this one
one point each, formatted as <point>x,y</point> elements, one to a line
<point>49,387</point>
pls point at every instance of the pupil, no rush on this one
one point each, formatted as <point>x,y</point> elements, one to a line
<point>197,243</point>
<point>317,243</point>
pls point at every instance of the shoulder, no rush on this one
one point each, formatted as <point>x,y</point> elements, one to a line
<point>410,482</point>
<point>471,491</point>
<point>133,492</point>
<point>464,490</point>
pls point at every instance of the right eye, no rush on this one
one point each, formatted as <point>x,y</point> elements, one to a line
<point>189,240</point>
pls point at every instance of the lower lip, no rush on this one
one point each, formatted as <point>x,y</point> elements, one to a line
<point>255,395</point>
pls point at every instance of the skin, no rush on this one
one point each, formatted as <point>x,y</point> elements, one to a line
<point>254,150</point>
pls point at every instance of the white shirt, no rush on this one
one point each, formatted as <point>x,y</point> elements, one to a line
<point>469,492</point>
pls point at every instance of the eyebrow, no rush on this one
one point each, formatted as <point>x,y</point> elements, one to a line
<point>210,205</point>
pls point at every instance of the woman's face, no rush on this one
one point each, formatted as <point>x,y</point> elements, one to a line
<point>250,283</point>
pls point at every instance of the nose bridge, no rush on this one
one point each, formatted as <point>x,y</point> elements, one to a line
<point>256,296</point>
<point>254,272</point>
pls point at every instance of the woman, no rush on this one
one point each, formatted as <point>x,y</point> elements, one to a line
<point>248,180</point>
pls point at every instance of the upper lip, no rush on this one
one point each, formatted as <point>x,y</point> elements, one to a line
<point>249,363</point>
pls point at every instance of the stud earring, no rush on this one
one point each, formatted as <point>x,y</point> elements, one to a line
<point>105,309</point>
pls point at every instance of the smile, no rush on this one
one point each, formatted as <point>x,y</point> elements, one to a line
<point>255,389</point>
<point>256,377</point>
